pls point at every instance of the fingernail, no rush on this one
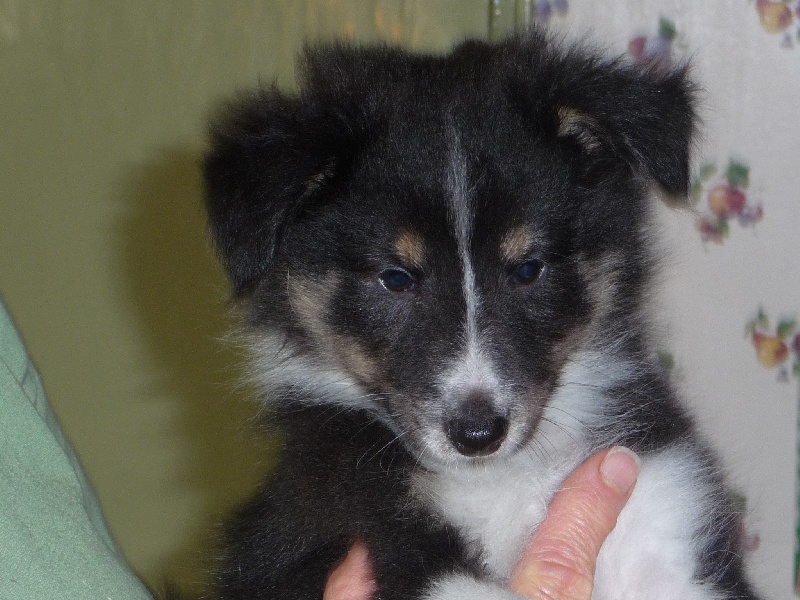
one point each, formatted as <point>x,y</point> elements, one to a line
<point>620,468</point>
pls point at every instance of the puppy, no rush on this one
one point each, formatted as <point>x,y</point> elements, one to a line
<point>445,262</point>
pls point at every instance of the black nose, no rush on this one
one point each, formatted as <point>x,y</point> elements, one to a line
<point>479,431</point>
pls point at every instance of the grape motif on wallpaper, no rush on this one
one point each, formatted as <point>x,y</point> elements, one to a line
<point>778,347</point>
<point>722,199</point>
<point>656,49</point>
<point>543,10</point>
<point>780,18</point>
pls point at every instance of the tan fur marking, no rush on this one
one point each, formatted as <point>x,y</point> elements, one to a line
<point>600,279</point>
<point>516,244</point>
<point>599,275</point>
<point>357,360</point>
<point>582,126</point>
<point>601,282</point>
<point>309,300</point>
<point>410,249</point>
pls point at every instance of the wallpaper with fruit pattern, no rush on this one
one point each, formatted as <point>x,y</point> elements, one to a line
<point>730,291</point>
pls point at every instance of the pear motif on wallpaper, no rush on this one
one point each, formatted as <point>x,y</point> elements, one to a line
<point>780,18</point>
<point>776,17</point>
<point>778,348</point>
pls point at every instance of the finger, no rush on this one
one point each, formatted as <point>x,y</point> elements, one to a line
<point>352,579</point>
<point>559,561</point>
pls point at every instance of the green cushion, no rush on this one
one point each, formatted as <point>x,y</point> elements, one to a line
<point>54,542</point>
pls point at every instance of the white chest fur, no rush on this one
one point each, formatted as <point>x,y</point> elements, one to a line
<point>651,554</point>
<point>495,508</point>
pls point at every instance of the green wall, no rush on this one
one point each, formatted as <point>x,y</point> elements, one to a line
<point>104,261</point>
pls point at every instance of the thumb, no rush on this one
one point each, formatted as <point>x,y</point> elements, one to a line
<point>353,578</point>
<point>559,561</point>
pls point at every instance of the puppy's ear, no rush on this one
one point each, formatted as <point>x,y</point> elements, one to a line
<point>645,116</point>
<point>271,155</point>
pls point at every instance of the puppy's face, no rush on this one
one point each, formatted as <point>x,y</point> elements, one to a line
<point>444,284</point>
<point>444,266</point>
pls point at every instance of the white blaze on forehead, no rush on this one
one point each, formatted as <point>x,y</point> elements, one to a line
<point>462,214</point>
<point>474,370</point>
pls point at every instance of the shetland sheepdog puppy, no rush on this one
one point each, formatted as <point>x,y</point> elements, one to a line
<point>444,261</point>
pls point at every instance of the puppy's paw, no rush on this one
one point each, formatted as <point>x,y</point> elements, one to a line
<point>464,587</point>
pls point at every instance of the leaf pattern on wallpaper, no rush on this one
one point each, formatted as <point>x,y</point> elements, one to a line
<point>726,200</point>
<point>780,18</point>
<point>778,347</point>
<point>667,361</point>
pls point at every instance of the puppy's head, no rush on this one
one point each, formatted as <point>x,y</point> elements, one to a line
<point>444,240</point>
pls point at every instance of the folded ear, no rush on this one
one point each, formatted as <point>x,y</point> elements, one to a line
<point>270,156</point>
<point>645,116</point>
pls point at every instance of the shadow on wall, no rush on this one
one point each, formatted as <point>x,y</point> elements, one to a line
<point>181,297</point>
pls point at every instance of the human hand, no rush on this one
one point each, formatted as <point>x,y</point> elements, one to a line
<point>559,561</point>
<point>353,578</point>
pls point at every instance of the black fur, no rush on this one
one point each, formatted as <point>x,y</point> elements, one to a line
<point>354,485</point>
<point>274,155</point>
<point>316,188</point>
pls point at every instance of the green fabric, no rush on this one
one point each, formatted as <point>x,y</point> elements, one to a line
<point>54,543</point>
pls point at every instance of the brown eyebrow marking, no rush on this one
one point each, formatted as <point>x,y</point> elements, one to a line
<point>410,249</point>
<point>516,244</point>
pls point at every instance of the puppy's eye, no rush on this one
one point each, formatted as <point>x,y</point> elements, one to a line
<point>528,272</point>
<point>397,280</point>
